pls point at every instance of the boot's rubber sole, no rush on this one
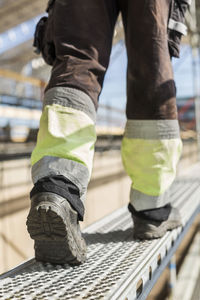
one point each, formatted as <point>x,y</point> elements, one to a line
<point>149,231</point>
<point>145,229</point>
<point>53,224</point>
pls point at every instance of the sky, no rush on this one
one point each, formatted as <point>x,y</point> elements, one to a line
<point>18,35</point>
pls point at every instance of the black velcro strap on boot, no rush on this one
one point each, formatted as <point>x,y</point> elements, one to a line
<point>156,214</point>
<point>63,187</point>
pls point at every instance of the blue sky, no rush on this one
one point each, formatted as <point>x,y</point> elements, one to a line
<point>18,35</point>
<point>184,69</point>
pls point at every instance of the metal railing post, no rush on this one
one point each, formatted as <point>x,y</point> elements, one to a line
<point>173,277</point>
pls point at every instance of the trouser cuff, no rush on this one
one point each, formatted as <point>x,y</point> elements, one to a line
<point>143,201</point>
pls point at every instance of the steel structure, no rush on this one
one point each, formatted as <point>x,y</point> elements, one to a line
<point>117,266</point>
<point>193,23</point>
<point>17,20</point>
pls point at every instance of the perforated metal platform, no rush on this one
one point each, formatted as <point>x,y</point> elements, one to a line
<point>117,266</point>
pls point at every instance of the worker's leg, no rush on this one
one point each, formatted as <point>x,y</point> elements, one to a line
<point>82,34</point>
<point>151,145</point>
<point>62,159</point>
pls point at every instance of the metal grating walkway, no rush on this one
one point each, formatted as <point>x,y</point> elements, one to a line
<point>117,266</point>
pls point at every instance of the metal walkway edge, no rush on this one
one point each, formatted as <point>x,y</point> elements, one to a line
<point>117,267</point>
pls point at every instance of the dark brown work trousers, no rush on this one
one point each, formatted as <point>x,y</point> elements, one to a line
<point>82,32</point>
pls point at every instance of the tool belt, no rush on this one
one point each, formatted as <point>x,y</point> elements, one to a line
<point>176,25</point>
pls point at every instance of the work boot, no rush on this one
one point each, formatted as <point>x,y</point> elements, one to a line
<point>146,228</point>
<point>53,224</point>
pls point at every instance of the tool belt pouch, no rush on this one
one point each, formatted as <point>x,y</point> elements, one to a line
<point>176,25</point>
<point>43,37</point>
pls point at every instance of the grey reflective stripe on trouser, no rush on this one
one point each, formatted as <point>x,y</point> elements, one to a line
<point>66,138</point>
<point>70,97</point>
<point>150,152</point>
<point>177,26</point>
<point>143,201</point>
<point>72,170</point>
<point>152,129</point>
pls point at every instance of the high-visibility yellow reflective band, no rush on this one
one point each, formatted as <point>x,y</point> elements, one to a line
<point>66,133</point>
<point>151,164</point>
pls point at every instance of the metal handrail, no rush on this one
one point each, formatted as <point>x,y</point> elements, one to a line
<point>13,156</point>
